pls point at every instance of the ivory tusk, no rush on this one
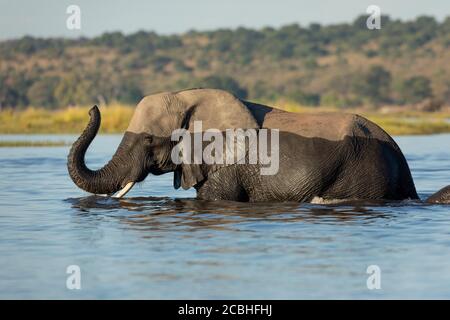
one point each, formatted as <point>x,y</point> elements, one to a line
<point>124,191</point>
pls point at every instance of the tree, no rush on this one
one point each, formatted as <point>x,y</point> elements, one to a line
<point>262,91</point>
<point>303,98</point>
<point>13,87</point>
<point>129,93</point>
<point>416,89</point>
<point>424,29</point>
<point>40,94</point>
<point>224,83</point>
<point>75,89</point>
<point>9,97</point>
<point>160,62</point>
<point>374,84</point>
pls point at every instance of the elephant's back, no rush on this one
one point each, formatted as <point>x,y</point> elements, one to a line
<point>332,126</point>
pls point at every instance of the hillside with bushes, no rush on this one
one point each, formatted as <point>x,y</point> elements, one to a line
<point>342,65</point>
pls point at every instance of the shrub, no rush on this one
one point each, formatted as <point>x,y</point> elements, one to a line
<point>416,89</point>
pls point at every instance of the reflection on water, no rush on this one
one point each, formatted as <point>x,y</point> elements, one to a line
<point>163,243</point>
<point>162,213</point>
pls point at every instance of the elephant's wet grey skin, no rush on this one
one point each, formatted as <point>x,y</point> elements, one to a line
<point>159,242</point>
<point>331,156</point>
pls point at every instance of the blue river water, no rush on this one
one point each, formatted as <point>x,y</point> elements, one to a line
<point>159,243</point>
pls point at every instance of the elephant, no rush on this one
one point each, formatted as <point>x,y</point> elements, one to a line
<point>323,157</point>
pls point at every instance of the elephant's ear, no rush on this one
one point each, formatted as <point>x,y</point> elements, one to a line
<point>191,172</point>
<point>189,175</point>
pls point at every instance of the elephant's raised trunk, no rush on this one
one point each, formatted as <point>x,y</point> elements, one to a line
<point>106,180</point>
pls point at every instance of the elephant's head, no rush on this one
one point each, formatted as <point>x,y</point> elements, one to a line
<point>146,145</point>
<point>136,157</point>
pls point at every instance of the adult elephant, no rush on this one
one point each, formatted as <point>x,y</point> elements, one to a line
<point>323,157</point>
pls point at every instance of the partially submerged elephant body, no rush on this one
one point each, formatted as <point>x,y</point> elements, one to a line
<point>326,156</point>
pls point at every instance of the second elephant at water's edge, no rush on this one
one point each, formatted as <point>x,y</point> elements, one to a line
<point>327,156</point>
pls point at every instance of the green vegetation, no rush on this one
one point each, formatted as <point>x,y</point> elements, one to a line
<point>374,85</point>
<point>218,82</point>
<point>343,65</point>
<point>416,89</point>
<point>22,143</point>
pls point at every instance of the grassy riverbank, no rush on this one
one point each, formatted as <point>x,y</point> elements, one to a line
<point>23,143</point>
<point>115,119</point>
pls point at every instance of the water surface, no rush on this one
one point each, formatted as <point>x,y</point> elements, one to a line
<point>161,243</point>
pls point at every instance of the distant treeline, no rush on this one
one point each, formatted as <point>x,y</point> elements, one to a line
<point>336,65</point>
